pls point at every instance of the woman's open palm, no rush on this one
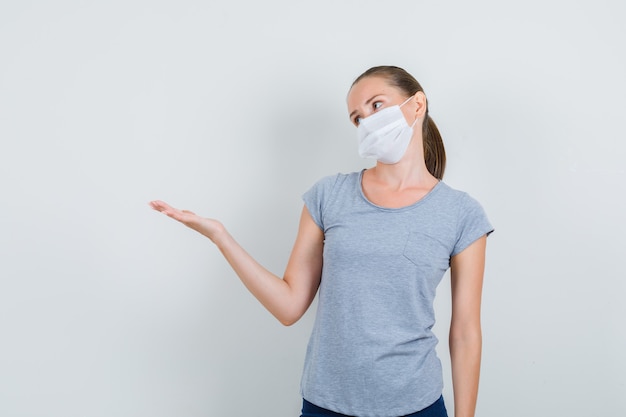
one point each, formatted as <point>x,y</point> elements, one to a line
<point>208,227</point>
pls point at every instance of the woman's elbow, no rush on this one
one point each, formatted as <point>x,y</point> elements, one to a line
<point>466,333</point>
<point>289,317</point>
<point>288,320</point>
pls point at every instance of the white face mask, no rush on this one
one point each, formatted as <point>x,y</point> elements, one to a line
<point>385,135</point>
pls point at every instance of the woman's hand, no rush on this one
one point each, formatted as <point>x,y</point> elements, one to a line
<point>208,227</point>
<point>286,298</point>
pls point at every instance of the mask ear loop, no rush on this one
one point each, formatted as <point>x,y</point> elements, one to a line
<point>406,101</point>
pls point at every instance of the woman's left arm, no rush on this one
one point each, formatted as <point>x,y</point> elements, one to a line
<point>467,269</point>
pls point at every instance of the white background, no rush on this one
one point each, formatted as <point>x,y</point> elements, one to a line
<point>234,109</point>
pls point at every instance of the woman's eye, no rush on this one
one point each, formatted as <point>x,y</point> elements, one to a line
<point>375,105</point>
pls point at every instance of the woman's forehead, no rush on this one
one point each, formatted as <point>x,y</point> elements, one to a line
<point>368,87</point>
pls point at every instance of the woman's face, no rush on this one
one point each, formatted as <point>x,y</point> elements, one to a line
<point>373,93</point>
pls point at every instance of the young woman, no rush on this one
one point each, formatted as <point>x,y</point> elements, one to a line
<point>376,244</point>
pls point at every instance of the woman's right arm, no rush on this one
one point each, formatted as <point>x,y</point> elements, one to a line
<point>287,298</point>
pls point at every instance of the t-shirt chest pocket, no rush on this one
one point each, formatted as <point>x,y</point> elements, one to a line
<point>426,251</point>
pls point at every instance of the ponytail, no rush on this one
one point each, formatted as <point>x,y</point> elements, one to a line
<point>434,151</point>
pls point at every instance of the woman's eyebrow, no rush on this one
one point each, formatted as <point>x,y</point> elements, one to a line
<point>366,103</point>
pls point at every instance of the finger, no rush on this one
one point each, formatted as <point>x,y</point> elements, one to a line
<point>184,216</point>
<point>160,205</point>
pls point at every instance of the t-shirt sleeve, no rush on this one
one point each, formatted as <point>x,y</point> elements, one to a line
<point>473,224</point>
<point>317,197</point>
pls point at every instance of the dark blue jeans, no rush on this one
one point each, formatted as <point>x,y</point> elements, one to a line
<point>437,409</point>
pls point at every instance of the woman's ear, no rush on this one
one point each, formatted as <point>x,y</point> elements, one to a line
<point>421,104</point>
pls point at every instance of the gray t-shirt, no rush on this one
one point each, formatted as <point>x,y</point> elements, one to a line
<point>372,351</point>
